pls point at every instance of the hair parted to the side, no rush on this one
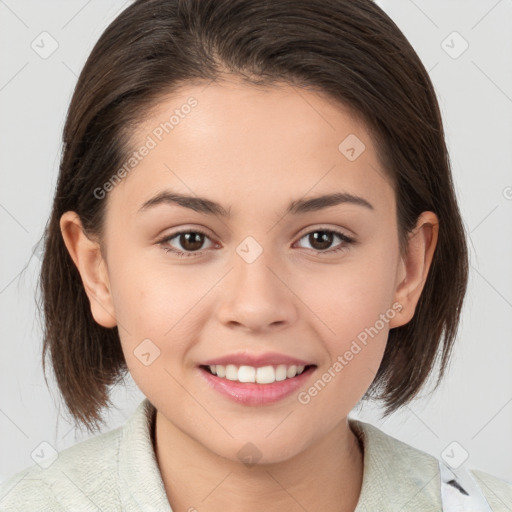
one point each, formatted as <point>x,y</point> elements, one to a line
<point>350,50</point>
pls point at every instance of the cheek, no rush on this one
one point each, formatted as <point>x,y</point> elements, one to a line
<point>149,296</point>
<point>353,325</point>
<point>353,305</point>
<point>157,306</point>
<point>351,296</point>
<point>146,304</point>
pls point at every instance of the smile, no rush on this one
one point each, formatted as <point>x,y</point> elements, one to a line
<point>261,375</point>
<point>250,385</point>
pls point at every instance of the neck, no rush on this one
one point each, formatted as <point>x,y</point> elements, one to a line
<point>326,477</point>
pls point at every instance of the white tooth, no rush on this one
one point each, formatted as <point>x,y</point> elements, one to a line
<point>262,375</point>
<point>292,371</point>
<point>231,372</point>
<point>265,375</point>
<point>247,374</point>
<point>281,372</point>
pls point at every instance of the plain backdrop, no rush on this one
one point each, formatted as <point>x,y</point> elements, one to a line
<point>465,46</point>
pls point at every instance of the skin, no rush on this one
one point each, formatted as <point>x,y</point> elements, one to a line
<point>253,150</point>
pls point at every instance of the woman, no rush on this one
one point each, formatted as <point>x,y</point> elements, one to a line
<point>255,217</point>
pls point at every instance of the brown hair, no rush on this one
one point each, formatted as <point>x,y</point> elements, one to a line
<point>349,49</point>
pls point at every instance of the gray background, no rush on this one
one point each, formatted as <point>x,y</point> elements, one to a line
<point>474,404</point>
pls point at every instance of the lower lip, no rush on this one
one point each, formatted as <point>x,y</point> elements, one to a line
<point>251,393</point>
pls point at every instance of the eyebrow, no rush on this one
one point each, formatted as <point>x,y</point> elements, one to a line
<point>299,206</point>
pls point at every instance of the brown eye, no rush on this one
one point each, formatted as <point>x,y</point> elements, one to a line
<point>191,241</point>
<point>321,240</point>
<point>186,243</point>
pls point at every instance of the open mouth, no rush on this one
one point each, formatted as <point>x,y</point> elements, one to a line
<point>258,375</point>
<point>257,385</point>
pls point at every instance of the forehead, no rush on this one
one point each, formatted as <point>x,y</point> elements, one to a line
<point>233,140</point>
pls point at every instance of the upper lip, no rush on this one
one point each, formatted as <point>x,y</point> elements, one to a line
<point>257,360</point>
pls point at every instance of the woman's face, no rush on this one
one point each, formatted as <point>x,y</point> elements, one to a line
<point>273,272</point>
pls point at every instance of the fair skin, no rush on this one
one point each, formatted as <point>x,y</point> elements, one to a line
<point>254,151</point>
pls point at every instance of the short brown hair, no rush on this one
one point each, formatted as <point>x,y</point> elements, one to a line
<point>349,49</point>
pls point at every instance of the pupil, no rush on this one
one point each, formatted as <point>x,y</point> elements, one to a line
<point>324,240</point>
<point>319,240</point>
<point>193,241</point>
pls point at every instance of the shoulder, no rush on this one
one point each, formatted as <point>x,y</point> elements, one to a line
<point>72,478</point>
<point>116,470</point>
<point>395,474</point>
<point>398,474</point>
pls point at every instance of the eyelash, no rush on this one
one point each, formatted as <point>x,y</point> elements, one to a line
<point>182,254</point>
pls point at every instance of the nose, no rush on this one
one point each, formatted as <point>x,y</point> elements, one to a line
<point>258,297</point>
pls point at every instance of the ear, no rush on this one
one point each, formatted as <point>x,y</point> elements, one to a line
<point>86,254</point>
<point>414,266</point>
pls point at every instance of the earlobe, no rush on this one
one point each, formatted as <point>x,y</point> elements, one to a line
<point>415,265</point>
<point>87,257</point>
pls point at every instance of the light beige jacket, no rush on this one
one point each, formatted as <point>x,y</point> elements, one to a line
<point>118,471</point>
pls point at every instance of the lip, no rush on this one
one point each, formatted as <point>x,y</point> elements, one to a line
<point>256,360</point>
<point>252,393</point>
